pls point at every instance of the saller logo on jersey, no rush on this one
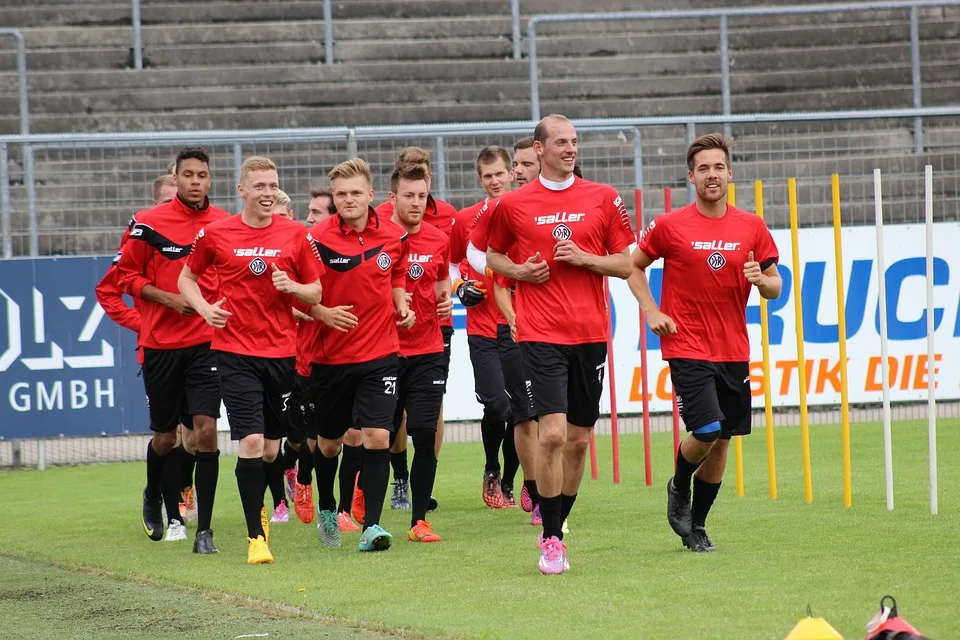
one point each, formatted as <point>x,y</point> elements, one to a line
<point>258,266</point>
<point>714,245</point>
<point>420,257</point>
<point>383,261</point>
<point>561,217</point>
<point>415,271</point>
<point>716,261</point>
<point>562,232</point>
<point>255,252</point>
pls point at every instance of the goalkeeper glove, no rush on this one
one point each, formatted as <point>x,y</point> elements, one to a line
<point>470,292</point>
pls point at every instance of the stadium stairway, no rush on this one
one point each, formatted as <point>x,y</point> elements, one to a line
<point>253,64</point>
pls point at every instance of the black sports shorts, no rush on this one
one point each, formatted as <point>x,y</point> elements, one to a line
<point>566,379</point>
<point>447,333</point>
<point>515,378</point>
<point>420,383</point>
<point>353,396</point>
<point>488,384</point>
<point>713,391</point>
<point>180,383</point>
<point>256,392</point>
<point>300,411</point>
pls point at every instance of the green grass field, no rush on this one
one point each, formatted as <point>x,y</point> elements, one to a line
<point>630,575</point>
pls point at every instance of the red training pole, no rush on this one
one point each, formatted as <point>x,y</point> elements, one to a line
<point>667,208</point>
<point>594,474</point>
<point>647,457</point>
<point>612,380</point>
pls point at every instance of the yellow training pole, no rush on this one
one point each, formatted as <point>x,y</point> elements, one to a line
<point>842,337</point>
<point>737,440</point>
<point>801,360</point>
<point>767,390</point>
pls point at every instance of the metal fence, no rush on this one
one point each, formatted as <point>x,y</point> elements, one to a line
<point>69,194</point>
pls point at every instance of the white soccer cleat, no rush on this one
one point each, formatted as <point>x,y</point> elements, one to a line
<point>175,532</point>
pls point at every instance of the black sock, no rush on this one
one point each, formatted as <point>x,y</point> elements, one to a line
<point>681,477</point>
<point>704,493</point>
<point>251,482</point>
<point>511,462</point>
<point>208,472</point>
<point>305,465</point>
<point>566,504</point>
<point>423,474</point>
<point>531,486</point>
<point>273,472</point>
<point>188,462</point>
<point>376,475</point>
<point>170,486</point>
<point>491,431</point>
<point>326,469</point>
<point>155,465</point>
<point>349,468</point>
<point>550,509</point>
<point>399,463</point>
<point>290,455</point>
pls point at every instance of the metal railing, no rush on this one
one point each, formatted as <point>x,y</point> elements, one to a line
<point>87,179</point>
<point>723,15</point>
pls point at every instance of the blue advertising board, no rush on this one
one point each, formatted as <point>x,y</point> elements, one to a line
<point>65,368</point>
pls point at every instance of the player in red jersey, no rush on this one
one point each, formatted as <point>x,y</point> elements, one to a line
<point>320,206</point>
<point>178,369</point>
<point>265,263</point>
<point>354,362</point>
<point>526,163</point>
<point>504,404</point>
<point>702,328</point>
<point>574,232</point>
<point>422,372</point>
<point>441,215</point>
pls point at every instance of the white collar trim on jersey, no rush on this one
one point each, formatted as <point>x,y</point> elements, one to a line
<point>558,186</point>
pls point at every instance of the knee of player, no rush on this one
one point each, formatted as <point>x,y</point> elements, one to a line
<point>709,432</point>
<point>552,438</point>
<point>163,443</point>
<point>499,408</point>
<point>329,448</point>
<point>424,442</point>
<point>353,438</point>
<point>578,440</point>
<point>376,438</point>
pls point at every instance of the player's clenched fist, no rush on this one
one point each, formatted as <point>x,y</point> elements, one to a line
<point>534,270</point>
<point>470,292</point>
<point>281,280</point>
<point>661,324</point>
<point>216,315</point>
<point>445,305</point>
<point>338,318</point>
<point>406,317</point>
<point>752,271</point>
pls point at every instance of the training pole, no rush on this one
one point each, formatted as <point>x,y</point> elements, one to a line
<point>884,363</point>
<point>842,338</point>
<point>767,390</point>
<point>801,360</point>
<point>644,388</point>
<point>667,208</point>
<point>612,380</point>
<point>931,359</point>
<point>737,440</point>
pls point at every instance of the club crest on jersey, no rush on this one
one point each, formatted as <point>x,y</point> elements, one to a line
<point>415,271</point>
<point>384,261</point>
<point>258,266</point>
<point>716,261</point>
<point>562,232</point>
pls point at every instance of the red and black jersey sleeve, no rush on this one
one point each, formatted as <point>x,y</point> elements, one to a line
<point>618,231</point>
<point>203,254</point>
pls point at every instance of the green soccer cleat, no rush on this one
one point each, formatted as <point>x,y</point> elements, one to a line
<point>328,529</point>
<point>375,539</point>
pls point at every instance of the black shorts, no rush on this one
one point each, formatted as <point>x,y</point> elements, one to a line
<point>713,391</point>
<point>353,396</point>
<point>488,378</point>
<point>447,333</point>
<point>420,383</point>
<point>256,392</point>
<point>180,383</point>
<point>300,411</point>
<point>566,379</point>
<point>515,378</point>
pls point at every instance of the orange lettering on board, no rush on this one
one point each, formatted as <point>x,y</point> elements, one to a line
<point>756,379</point>
<point>663,393</point>
<point>907,368</point>
<point>787,366</point>
<point>824,374</point>
<point>874,371</point>
<point>920,380</point>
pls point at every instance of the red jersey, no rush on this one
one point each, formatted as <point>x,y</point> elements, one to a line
<point>362,270</point>
<point>570,307</point>
<point>704,290</point>
<point>482,319</point>
<point>262,323</point>
<point>427,263</point>
<point>110,296</point>
<point>160,241</point>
